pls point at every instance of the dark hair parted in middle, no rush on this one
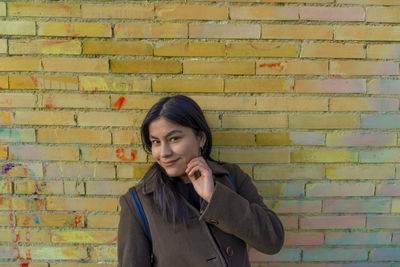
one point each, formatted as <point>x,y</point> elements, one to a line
<point>186,112</point>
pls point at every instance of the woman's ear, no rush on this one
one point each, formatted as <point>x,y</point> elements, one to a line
<point>203,139</point>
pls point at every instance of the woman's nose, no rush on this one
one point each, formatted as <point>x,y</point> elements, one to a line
<point>165,150</point>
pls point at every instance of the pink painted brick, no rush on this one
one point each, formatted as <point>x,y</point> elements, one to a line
<point>383,221</point>
<point>361,139</point>
<point>357,238</point>
<point>294,206</point>
<point>264,13</point>
<point>332,222</point>
<point>230,31</point>
<point>79,170</point>
<point>352,67</point>
<point>388,189</point>
<point>370,205</point>
<point>332,13</point>
<point>304,238</point>
<point>42,152</point>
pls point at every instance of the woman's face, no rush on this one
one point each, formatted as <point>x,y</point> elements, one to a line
<point>173,146</point>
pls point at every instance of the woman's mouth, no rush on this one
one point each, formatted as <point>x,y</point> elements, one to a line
<point>169,163</point>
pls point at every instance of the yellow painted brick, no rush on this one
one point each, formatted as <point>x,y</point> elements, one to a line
<point>191,12</point>
<point>356,67</point>
<point>3,46</point>
<point>44,118</point>
<point>289,172</point>
<point>3,152</point>
<point>213,120</point>
<point>274,1</point>
<point>395,206</point>
<point>258,85</point>
<point>24,236</point>
<point>133,101</point>
<point>78,264</point>
<point>254,121</point>
<point>3,9</point>
<point>304,67</point>
<point>17,100</point>
<point>218,67</point>
<point>254,155</point>
<point>82,204</point>
<point>274,139</point>
<point>102,221</point>
<point>49,187</point>
<point>44,46</point>
<point>132,171</point>
<point>233,138</point>
<point>188,85</point>
<point>73,101</point>
<point>117,48</point>
<point>84,237</point>
<point>185,49</point>
<point>332,50</point>
<point>324,121</point>
<point>360,172</point>
<point>7,219</point>
<point>104,83</point>
<point>42,152</point>
<point>292,103</point>
<point>261,49</point>
<point>17,28</point>
<point>75,65</point>
<point>73,136</point>
<point>363,104</point>
<point>383,14</point>
<point>42,10</point>
<point>115,188</point>
<point>225,103</point>
<point>22,203</point>
<point>3,82</point>
<point>119,154</point>
<point>104,253</point>
<point>229,31</point>
<point>145,66</point>
<point>126,137</point>
<point>367,32</point>
<point>50,220</point>
<point>151,30</point>
<point>74,29</point>
<point>19,264</point>
<point>79,170</point>
<point>42,82</point>
<point>323,156</point>
<point>5,186</point>
<point>117,11</point>
<point>383,51</point>
<point>264,13</point>
<point>57,253</point>
<point>20,64</point>
<point>323,32</point>
<point>110,119</point>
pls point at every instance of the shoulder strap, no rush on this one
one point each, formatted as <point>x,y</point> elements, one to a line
<point>140,212</point>
<point>233,182</point>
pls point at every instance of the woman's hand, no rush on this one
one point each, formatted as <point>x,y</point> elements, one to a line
<point>201,177</point>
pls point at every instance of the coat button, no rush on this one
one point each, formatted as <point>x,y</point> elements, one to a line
<point>229,251</point>
<point>215,222</point>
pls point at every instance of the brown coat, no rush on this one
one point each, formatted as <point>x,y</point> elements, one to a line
<point>233,218</point>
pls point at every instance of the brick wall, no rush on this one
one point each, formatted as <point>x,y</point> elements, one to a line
<point>303,94</point>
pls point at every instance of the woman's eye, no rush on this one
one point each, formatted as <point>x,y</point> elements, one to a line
<point>155,142</point>
<point>175,138</point>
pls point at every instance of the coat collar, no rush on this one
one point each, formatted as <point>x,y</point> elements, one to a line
<point>149,180</point>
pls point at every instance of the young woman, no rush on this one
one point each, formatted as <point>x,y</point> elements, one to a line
<point>200,212</point>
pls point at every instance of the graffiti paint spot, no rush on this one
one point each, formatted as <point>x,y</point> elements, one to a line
<point>54,42</point>
<point>279,65</point>
<point>36,219</point>
<point>77,220</point>
<point>119,103</point>
<point>14,236</point>
<point>121,154</point>
<point>35,81</point>
<point>7,167</point>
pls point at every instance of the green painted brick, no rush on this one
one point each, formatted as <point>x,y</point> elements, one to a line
<point>335,254</point>
<point>17,28</point>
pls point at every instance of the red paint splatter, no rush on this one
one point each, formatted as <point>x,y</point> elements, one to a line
<point>11,219</point>
<point>77,220</point>
<point>119,103</point>
<point>14,236</point>
<point>263,65</point>
<point>229,46</point>
<point>279,65</point>
<point>35,81</point>
<point>54,42</point>
<point>96,89</point>
<point>121,154</point>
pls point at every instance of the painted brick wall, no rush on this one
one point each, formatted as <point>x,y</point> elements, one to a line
<point>303,94</point>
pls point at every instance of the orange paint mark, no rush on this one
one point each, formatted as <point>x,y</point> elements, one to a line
<point>119,103</point>
<point>96,89</point>
<point>83,88</point>
<point>263,65</point>
<point>35,81</point>
<point>11,219</point>
<point>279,65</point>
<point>121,154</point>
<point>14,236</point>
<point>54,42</point>
<point>77,220</point>
<point>229,46</point>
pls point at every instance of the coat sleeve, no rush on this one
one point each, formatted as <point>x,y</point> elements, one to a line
<point>134,249</point>
<point>244,214</point>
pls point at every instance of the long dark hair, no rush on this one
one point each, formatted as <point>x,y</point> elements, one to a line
<point>186,112</point>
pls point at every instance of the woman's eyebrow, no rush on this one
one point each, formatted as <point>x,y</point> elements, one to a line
<point>168,134</point>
